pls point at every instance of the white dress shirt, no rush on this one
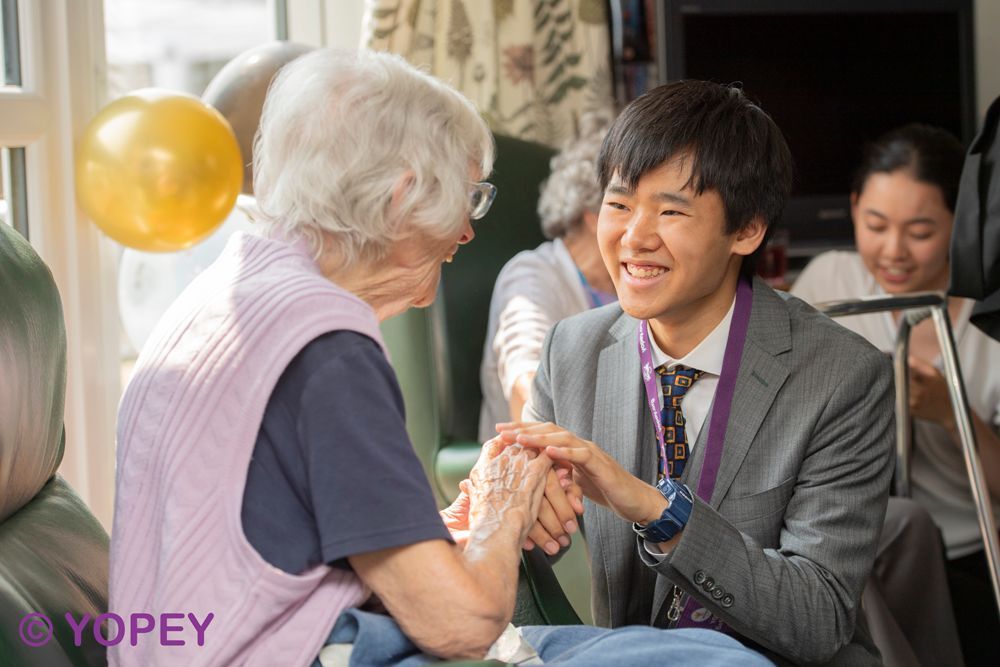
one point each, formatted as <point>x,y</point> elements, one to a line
<point>707,356</point>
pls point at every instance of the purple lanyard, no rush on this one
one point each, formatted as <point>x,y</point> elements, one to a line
<point>723,393</point>
<point>693,615</point>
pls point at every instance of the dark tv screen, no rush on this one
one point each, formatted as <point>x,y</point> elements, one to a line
<point>833,81</point>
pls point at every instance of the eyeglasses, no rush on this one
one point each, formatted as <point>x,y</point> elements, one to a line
<point>481,197</point>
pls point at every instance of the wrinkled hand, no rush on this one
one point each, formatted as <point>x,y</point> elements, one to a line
<point>562,503</point>
<point>599,476</point>
<point>505,487</point>
<point>929,397</point>
<point>456,515</point>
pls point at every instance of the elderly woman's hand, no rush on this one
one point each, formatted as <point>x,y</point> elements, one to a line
<point>601,477</point>
<point>506,487</point>
<point>456,515</point>
<point>557,517</point>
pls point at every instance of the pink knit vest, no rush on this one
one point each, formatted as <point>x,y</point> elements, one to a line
<point>187,426</point>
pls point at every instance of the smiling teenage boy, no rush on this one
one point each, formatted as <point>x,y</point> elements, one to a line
<point>735,446</point>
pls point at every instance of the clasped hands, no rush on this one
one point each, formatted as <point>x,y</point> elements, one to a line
<point>580,468</point>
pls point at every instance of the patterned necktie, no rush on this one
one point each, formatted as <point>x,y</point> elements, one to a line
<point>675,383</point>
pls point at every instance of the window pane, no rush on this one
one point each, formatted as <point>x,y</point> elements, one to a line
<point>13,200</point>
<point>10,57</point>
<point>179,44</point>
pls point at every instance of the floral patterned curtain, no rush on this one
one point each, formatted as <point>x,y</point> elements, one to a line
<point>532,67</point>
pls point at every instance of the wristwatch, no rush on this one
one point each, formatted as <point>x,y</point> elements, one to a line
<point>673,519</point>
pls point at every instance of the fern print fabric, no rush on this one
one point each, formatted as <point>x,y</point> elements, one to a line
<point>532,67</point>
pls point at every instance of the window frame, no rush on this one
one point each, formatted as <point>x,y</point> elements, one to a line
<point>62,73</point>
<point>64,84</point>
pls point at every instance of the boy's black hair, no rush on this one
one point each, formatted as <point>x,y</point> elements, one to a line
<point>733,147</point>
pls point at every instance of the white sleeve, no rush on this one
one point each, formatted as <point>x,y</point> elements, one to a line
<point>529,303</point>
<point>814,284</point>
<point>518,343</point>
<point>654,551</point>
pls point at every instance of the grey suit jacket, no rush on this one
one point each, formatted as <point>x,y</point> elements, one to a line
<point>789,536</point>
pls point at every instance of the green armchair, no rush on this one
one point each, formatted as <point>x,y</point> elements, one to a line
<point>459,333</point>
<point>463,305</point>
<point>436,353</point>
<point>53,552</point>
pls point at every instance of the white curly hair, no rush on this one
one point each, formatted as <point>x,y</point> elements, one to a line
<point>340,130</point>
<point>572,186</point>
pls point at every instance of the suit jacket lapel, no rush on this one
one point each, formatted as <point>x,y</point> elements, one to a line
<point>621,426</point>
<point>619,412</point>
<point>618,428</point>
<point>760,377</point>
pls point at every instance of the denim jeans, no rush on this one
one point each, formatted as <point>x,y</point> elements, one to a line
<point>377,641</point>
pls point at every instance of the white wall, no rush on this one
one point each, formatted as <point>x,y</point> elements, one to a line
<point>334,23</point>
<point>987,26</point>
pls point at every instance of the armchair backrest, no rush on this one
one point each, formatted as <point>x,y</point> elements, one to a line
<point>32,373</point>
<point>460,315</point>
<point>453,330</point>
<point>53,552</point>
<point>512,225</point>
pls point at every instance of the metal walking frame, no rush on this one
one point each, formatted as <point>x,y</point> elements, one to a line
<point>915,308</point>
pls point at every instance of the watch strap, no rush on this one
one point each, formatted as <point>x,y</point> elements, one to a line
<point>674,517</point>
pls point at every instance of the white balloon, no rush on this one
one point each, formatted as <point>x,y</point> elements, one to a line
<point>149,282</point>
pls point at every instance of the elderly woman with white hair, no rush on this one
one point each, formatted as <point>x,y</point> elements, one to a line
<point>559,278</point>
<point>266,487</point>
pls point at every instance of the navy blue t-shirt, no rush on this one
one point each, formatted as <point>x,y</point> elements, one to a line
<point>333,473</point>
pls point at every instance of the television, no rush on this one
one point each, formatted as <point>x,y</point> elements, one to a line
<point>833,75</point>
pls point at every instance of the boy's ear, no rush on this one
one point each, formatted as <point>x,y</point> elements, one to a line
<point>750,237</point>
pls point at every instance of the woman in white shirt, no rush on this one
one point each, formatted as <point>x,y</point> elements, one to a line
<point>539,287</point>
<point>902,204</point>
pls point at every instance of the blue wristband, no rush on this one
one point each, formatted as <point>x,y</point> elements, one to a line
<point>673,519</point>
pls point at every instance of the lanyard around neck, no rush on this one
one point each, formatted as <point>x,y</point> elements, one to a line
<point>723,394</point>
<point>596,298</point>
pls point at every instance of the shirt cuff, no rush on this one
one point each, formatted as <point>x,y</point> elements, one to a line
<point>654,551</point>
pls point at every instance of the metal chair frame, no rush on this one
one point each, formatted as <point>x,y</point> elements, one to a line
<point>915,308</point>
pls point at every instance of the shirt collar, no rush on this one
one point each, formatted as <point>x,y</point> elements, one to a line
<point>707,355</point>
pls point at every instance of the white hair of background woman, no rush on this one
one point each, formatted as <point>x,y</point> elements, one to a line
<point>340,131</point>
<point>572,187</point>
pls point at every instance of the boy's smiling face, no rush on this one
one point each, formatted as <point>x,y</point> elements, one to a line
<point>667,249</point>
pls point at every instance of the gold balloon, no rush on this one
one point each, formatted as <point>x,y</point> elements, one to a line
<point>158,170</point>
